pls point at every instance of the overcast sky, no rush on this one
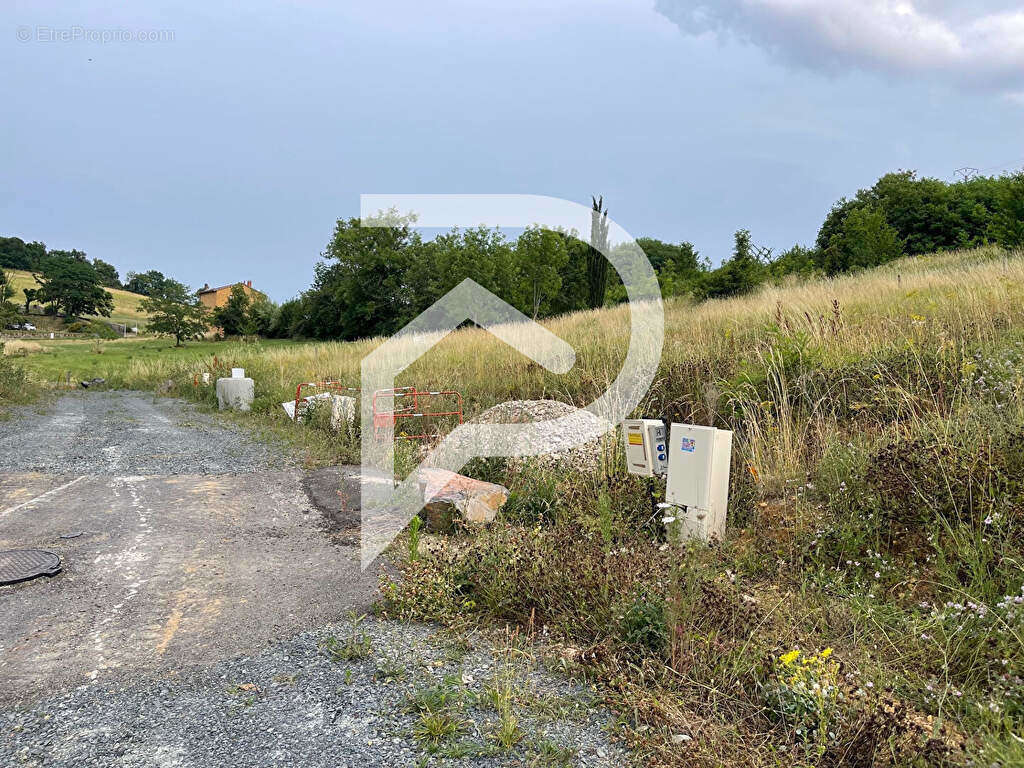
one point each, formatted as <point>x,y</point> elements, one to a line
<point>225,149</point>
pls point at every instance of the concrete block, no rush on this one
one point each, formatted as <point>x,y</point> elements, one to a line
<point>447,495</point>
<point>235,394</point>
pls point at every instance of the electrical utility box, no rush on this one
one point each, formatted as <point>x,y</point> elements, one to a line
<point>698,479</point>
<point>644,441</point>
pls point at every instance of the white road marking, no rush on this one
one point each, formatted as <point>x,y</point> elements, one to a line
<point>42,496</point>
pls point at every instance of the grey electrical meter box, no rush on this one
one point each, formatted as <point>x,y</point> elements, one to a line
<point>698,479</point>
<point>645,445</point>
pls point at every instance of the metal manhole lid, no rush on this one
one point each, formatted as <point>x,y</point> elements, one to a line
<point>21,564</point>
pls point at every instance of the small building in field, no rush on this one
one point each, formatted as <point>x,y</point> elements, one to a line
<point>212,298</point>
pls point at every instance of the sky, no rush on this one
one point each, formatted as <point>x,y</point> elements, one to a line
<point>219,142</point>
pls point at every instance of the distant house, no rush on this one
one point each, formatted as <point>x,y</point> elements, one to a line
<point>218,297</point>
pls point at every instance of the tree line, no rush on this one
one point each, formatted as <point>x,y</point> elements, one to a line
<point>34,257</point>
<point>373,280</point>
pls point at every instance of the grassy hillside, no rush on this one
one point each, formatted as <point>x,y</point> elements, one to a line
<point>126,303</point>
<point>866,608</point>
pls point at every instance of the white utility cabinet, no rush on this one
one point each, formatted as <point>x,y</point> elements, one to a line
<point>644,442</point>
<point>698,479</point>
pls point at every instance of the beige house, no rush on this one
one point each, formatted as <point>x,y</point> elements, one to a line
<point>212,298</point>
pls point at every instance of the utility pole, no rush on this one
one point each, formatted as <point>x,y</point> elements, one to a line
<point>966,173</point>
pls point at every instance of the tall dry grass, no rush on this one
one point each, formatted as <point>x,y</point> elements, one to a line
<point>935,305</point>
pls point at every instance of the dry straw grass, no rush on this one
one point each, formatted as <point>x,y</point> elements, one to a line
<point>949,302</point>
<point>22,348</point>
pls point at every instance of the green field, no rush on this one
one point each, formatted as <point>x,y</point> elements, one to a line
<point>84,359</point>
<point>126,304</point>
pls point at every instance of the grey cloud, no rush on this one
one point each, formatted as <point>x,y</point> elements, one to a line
<point>979,46</point>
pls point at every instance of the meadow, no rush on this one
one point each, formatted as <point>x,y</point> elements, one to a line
<point>127,308</point>
<point>867,606</point>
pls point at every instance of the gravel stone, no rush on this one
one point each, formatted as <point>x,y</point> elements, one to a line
<point>128,433</point>
<point>292,705</point>
<point>562,451</point>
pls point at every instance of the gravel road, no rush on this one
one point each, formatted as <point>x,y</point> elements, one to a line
<point>123,433</point>
<point>200,587</point>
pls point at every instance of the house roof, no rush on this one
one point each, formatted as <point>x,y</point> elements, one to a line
<point>223,287</point>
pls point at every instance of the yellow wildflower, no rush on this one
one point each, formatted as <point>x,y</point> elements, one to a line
<point>789,658</point>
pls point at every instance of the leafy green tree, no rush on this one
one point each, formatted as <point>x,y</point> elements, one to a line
<point>15,253</point>
<point>72,287</point>
<point>7,309</point>
<point>1008,221</point>
<point>233,317</point>
<point>597,264</point>
<point>362,288</point>
<point>261,317</point>
<point>865,239</point>
<point>927,214</point>
<point>150,283</point>
<point>541,255</point>
<point>679,267</point>
<point>290,321</point>
<point>107,273</point>
<point>31,294</point>
<point>73,255</point>
<point>741,274</point>
<point>798,260</point>
<point>573,294</point>
<point>180,316</point>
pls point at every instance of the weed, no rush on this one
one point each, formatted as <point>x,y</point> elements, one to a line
<point>414,539</point>
<point>544,753</point>
<point>356,645</point>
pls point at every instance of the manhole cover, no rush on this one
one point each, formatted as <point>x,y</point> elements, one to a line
<point>21,564</point>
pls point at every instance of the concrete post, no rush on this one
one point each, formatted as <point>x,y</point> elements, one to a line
<point>235,394</point>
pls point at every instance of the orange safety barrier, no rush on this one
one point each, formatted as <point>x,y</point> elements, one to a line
<point>407,403</point>
<point>334,387</point>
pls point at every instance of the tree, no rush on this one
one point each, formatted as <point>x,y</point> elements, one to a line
<point>927,214</point>
<point>541,256</point>
<point>107,273</point>
<point>864,239</point>
<point>73,255</point>
<point>6,289</point>
<point>31,294</point>
<point>679,267</point>
<point>15,253</point>
<point>232,318</point>
<point>597,263</point>
<point>798,260</point>
<point>182,319</point>
<point>72,287</point>
<point>739,275</point>
<point>574,291</point>
<point>363,289</point>
<point>149,283</point>
<point>290,320</point>
<point>7,309</point>
<point>261,317</point>
<point>1008,222</point>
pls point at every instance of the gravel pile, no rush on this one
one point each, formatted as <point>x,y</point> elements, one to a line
<point>559,444</point>
<point>293,705</point>
<point>128,433</point>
